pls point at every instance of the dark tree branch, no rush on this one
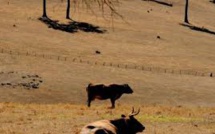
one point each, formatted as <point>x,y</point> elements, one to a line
<point>161,2</point>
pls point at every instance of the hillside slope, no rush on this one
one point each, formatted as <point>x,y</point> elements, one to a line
<point>133,42</point>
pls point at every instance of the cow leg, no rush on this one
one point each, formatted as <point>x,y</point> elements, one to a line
<point>112,102</point>
<point>88,103</point>
<point>89,100</point>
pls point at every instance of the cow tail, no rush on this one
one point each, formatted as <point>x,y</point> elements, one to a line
<point>90,84</point>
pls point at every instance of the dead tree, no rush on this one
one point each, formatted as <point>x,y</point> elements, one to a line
<point>101,3</point>
<point>44,9</point>
<point>68,10</point>
<point>186,12</point>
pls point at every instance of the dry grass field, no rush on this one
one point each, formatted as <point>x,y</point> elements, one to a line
<point>68,118</point>
<point>44,95</point>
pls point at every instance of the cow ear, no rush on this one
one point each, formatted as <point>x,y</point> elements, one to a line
<point>131,117</point>
<point>90,84</point>
<point>123,116</point>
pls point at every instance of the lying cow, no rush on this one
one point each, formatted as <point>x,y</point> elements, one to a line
<point>103,92</point>
<point>123,125</point>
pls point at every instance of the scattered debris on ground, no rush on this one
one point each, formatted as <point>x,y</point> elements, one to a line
<point>14,79</point>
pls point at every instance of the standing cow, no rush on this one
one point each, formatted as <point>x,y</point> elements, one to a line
<point>103,92</point>
<point>123,125</point>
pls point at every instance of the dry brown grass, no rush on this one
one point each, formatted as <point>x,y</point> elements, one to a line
<point>169,103</point>
<point>69,118</point>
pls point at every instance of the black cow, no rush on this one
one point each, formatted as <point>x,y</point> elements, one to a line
<point>123,125</point>
<point>103,92</point>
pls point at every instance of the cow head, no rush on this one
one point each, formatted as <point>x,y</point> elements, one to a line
<point>134,126</point>
<point>127,89</point>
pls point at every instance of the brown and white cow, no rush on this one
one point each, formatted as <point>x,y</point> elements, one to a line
<point>103,92</point>
<point>123,125</point>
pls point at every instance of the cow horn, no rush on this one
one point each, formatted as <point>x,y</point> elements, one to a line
<point>132,110</point>
<point>133,113</point>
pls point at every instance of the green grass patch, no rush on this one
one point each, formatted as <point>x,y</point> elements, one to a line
<point>167,119</point>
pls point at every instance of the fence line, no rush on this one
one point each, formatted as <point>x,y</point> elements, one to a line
<point>110,64</point>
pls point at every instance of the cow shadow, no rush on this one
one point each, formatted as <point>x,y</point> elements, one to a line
<point>197,28</point>
<point>72,26</point>
<point>161,2</point>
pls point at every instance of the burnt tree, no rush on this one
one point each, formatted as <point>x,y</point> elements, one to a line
<point>186,12</point>
<point>44,9</point>
<point>68,10</point>
<point>101,3</point>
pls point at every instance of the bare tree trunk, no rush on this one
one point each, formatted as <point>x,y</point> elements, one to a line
<point>68,10</point>
<point>186,12</point>
<point>44,9</point>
